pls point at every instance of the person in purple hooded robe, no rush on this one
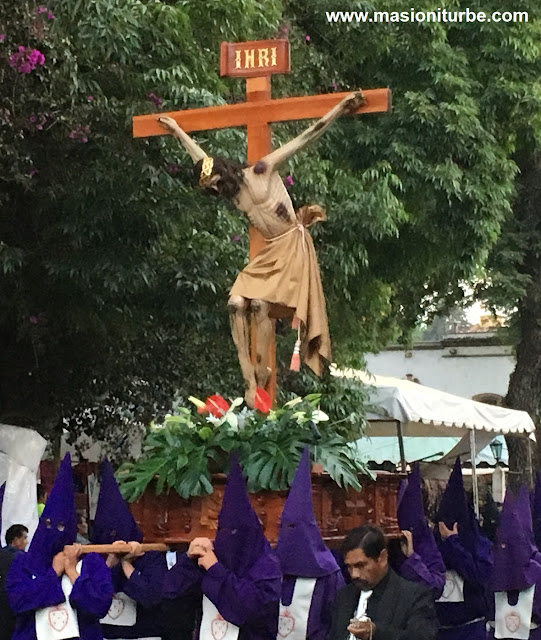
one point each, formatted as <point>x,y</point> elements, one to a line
<point>54,594</point>
<point>137,576</point>
<point>6,558</point>
<point>536,510</point>
<point>311,574</point>
<point>238,576</point>
<point>516,575</point>
<point>420,560</point>
<point>463,607</point>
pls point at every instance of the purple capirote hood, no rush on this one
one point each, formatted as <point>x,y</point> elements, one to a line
<point>240,544</point>
<point>57,525</point>
<point>536,509</point>
<point>454,507</point>
<point>300,547</point>
<point>515,567</point>
<point>411,517</point>
<point>113,520</point>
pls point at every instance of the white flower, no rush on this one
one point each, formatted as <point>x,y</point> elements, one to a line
<point>293,402</point>
<point>319,416</point>
<point>232,420</point>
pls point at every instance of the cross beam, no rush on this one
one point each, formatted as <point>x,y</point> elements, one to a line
<point>262,112</point>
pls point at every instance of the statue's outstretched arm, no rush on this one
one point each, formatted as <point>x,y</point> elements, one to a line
<point>195,151</point>
<point>348,105</point>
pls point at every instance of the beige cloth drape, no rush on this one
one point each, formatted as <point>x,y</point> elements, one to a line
<point>286,273</point>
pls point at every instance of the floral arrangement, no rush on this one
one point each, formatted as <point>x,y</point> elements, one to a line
<point>183,450</point>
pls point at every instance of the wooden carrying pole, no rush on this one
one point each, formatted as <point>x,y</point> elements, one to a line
<point>122,548</point>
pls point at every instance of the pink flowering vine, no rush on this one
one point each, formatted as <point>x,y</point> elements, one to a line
<point>41,9</point>
<point>38,121</point>
<point>155,99</point>
<point>80,133</point>
<point>172,169</point>
<point>288,182</point>
<point>2,36</point>
<point>26,60</point>
<point>307,38</point>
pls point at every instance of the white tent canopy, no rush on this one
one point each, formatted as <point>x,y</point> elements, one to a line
<point>408,408</point>
<point>423,411</point>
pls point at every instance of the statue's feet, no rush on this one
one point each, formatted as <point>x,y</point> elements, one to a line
<point>249,396</point>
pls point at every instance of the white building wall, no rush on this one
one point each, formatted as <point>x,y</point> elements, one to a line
<point>465,370</point>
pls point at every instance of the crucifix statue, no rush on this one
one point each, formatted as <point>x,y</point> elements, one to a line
<point>282,278</point>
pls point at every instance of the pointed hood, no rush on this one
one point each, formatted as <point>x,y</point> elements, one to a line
<point>491,517</point>
<point>536,510</point>
<point>411,517</point>
<point>514,565</point>
<point>455,508</point>
<point>113,520</point>
<point>300,547</point>
<point>57,525</point>
<point>240,544</point>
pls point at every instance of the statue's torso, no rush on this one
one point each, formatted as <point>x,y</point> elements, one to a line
<point>266,203</point>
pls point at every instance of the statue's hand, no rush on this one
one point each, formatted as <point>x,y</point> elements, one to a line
<point>353,102</point>
<point>168,123</point>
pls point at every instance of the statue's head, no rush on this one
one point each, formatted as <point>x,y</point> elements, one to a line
<point>219,176</point>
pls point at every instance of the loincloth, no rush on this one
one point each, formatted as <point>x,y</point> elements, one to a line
<point>285,273</point>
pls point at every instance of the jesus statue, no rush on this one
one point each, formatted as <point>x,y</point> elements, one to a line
<point>283,279</point>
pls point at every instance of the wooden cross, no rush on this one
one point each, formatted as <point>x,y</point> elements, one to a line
<point>257,61</point>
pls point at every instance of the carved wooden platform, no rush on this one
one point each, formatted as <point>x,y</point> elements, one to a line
<point>171,519</point>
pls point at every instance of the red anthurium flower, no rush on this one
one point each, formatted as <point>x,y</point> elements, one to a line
<point>262,400</point>
<point>215,405</point>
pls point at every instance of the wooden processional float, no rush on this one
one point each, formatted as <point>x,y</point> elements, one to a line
<point>168,517</point>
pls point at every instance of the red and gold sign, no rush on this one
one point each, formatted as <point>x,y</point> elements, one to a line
<point>254,59</point>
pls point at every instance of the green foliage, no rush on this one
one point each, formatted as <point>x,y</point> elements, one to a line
<point>181,452</point>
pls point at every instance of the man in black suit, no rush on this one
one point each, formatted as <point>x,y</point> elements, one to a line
<point>378,604</point>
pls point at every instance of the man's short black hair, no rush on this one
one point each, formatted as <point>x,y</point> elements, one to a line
<point>369,538</point>
<point>40,491</point>
<point>15,531</point>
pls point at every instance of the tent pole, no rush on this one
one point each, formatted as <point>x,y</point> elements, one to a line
<point>530,465</point>
<point>473,456</point>
<point>401,446</point>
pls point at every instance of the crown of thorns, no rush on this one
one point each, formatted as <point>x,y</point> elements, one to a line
<point>206,171</point>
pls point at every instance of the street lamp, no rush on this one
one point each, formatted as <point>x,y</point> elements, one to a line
<point>496,447</point>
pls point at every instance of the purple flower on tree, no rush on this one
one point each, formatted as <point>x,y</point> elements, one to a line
<point>80,133</point>
<point>50,15</point>
<point>39,121</point>
<point>288,182</point>
<point>172,169</point>
<point>41,9</point>
<point>33,319</point>
<point>235,238</point>
<point>2,36</point>
<point>155,99</point>
<point>25,60</point>
<point>307,38</point>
